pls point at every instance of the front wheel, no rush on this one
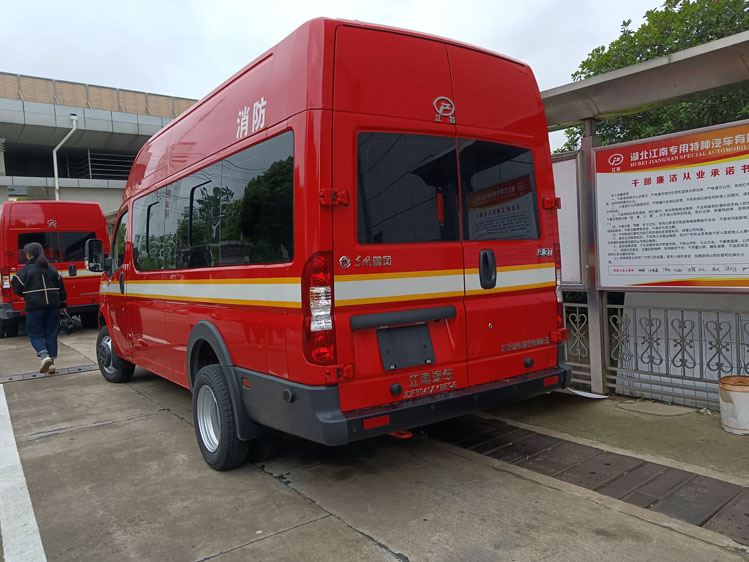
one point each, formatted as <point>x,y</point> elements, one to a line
<point>112,366</point>
<point>215,424</point>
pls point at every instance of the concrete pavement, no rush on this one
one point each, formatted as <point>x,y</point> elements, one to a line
<point>114,473</point>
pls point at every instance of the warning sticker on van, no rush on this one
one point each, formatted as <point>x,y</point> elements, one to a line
<point>504,211</point>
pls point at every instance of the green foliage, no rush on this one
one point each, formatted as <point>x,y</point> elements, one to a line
<point>267,206</point>
<point>677,25</point>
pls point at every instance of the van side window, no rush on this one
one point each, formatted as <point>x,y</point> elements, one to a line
<point>237,211</point>
<point>257,203</point>
<point>118,244</point>
<point>407,189</point>
<point>499,191</point>
<point>148,232</point>
<point>48,240</point>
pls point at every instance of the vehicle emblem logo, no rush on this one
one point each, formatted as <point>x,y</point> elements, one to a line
<point>52,223</point>
<point>345,262</point>
<point>521,186</point>
<point>444,108</point>
<point>616,159</point>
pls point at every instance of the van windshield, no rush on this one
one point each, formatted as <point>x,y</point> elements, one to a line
<point>421,188</point>
<point>58,246</point>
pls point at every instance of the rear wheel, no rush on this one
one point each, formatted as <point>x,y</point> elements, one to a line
<point>11,328</point>
<point>215,423</point>
<point>89,320</point>
<point>111,365</point>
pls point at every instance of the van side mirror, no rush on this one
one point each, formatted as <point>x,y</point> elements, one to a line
<point>94,255</point>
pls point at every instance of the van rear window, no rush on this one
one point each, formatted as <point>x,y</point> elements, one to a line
<point>58,245</point>
<point>407,189</point>
<point>49,241</point>
<point>411,189</point>
<point>499,191</point>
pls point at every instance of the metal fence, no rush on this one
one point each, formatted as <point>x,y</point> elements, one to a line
<point>669,354</point>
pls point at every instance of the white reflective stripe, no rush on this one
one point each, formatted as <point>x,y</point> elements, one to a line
<point>418,287</point>
<point>517,278</point>
<point>272,294</point>
<point>79,273</point>
<point>20,531</point>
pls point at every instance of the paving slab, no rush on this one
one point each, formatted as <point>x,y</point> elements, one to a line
<point>428,504</point>
<point>19,357</point>
<point>324,540</point>
<point>691,439</point>
<point>46,406</point>
<point>140,490</point>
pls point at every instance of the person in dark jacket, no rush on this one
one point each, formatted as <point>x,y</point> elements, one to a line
<point>42,288</point>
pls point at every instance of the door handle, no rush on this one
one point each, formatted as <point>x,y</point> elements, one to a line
<point>122,282</point>
<point>487,269</point>
<point>72,271</point>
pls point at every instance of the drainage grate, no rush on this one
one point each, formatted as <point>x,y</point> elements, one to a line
<point>720,506</point>
<point>654,490</point>
<point>599,470</point>
<point>64,371</point>
<point>560,458</point>
<point>697,500</point>
<point>522,449</point>
<point>631,480</point>
<point>733,519</point>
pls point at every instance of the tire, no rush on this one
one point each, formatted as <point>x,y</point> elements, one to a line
<point>89,320</point>
<point>2,328</point>
<point>215,423</point>
<point>112,367</point>
<point>11,328</point>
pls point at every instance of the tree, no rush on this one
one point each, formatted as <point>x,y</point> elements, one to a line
<point>678,25</point>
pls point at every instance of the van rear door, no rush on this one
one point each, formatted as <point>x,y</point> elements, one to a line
<point>508,238</point>
<point>398,259</point>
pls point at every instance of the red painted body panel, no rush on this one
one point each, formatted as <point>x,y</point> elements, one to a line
<point>27,217</point>
<point>327,82</point>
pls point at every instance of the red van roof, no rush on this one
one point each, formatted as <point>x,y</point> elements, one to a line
<point>293,76</point>
<point>67,215</point>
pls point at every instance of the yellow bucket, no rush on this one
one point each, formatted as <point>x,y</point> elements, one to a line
<point>734,404</point>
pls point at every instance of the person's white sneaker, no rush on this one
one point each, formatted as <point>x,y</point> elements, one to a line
<point>46,362</point>
<point>51,370</point>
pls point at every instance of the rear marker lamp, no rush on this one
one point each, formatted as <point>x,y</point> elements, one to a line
<point>5,280</point>
<point>317,307</point>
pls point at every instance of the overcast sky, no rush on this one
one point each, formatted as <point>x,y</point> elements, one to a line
<point>186,48</point>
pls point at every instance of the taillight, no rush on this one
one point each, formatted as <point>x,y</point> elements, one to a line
<point>558,271</point>
<point>317,306</point>
<point>5,280</point>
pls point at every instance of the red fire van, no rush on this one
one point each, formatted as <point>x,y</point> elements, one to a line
<point>354,234</point>
<point>62,228</point>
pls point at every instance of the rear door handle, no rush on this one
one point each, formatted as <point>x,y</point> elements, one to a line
<point>122,282</point>
<point>487,269</point>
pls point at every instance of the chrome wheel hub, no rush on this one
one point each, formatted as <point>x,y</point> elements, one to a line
<point>209,422</point>
<point>104,354</point>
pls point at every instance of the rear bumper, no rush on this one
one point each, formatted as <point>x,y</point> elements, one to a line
<point>314,412</point>
<point>7,312</point>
